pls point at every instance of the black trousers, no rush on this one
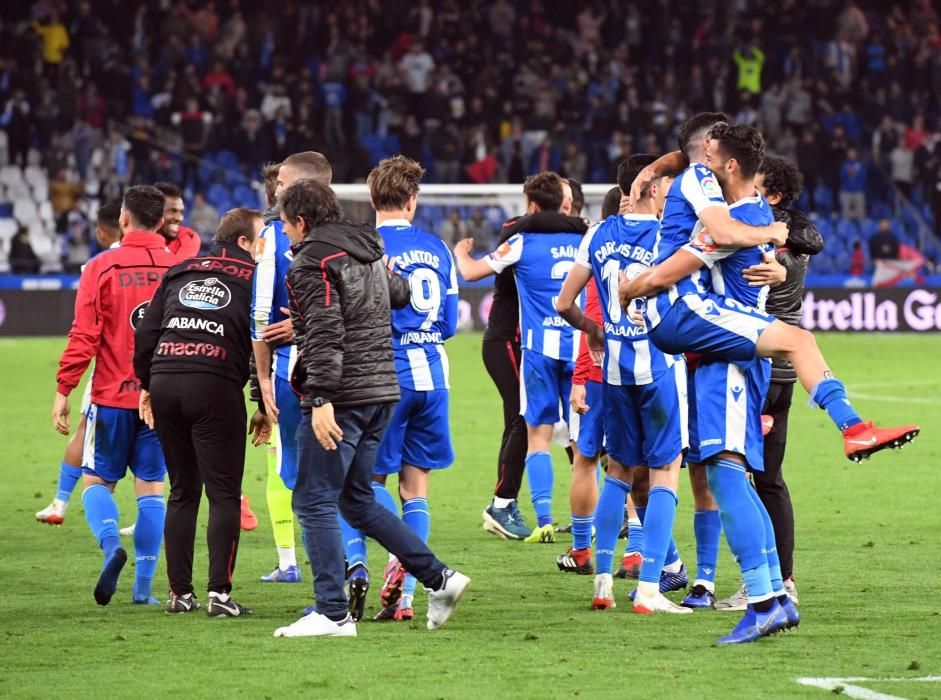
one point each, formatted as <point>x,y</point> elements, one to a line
<point>770,483</point>
<point>502,360</point>
<point>201,421</point>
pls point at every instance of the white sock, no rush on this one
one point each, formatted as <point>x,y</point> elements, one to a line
<point>647,589</point>
<point>502,502</point>
<point>286,557</point>
<point>708,585</point>
<point>223,597</point>
<point>674,568</point>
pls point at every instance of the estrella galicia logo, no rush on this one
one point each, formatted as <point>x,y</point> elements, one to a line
<point>138,313</point>
<point>209,294</point>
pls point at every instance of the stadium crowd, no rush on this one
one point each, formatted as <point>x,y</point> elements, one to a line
<point>111,93</point>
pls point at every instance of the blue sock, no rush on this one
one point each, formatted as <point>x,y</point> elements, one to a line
<point>148,534</point>
<point>707,527</point>
<point>68,478</point>
<point>830,395</point>
<point>641,513</point>
<point>354,543</point>
<point>609,516</point>
<point>415,514</point>
<point>581,531</point>
<point>658,529</point>
<point>673,553</point>
<point>742,523</point>
<point>385,498</point>
<point>101,512</point>
<point>635,536</point>
<point>771,546</point>
<point>540,476</point>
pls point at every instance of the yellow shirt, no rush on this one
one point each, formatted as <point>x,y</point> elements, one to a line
<point>55,40</point>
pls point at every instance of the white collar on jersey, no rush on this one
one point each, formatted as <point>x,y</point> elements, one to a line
<point>641,217</point>
<point>394,222</point>
<point>754,199</point>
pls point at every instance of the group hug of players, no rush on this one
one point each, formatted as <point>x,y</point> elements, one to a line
<point>682,271</point>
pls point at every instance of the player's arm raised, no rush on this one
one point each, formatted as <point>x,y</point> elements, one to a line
<point>471,268</point>
<point>669,163</point>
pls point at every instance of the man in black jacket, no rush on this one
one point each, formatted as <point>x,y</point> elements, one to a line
<point>340,296</point>
<point>191,354</point>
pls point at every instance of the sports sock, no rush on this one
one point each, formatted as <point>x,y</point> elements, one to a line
<point>707,527</point>
<point>68,478</point>
<point>501,503</point>
<point>151,512</point>
<point>672,562</point>
<point>771,545</point>
<point>641,513</point>
<point>581,531</point>
<point>742,523</point>
<point>609,516</point>
<point>287,557</point>
<point>280,511</point>
<point>415,514</point>
<point>101,512</point>
<point>385,498</point>
<point>658,529</point>
<point>830,395</point>
<point>635,535</point>
<point>540,476</point>
<point>354,543</point>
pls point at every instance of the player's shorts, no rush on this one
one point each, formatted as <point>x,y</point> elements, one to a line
<point>289,417</point>
<point>545,386</point>
<point>729,399</point>
<point>692,455</point>
<point>418,433</point>
<point>587,431</point>
<point>117,439</point>
<point>718,327</point>
<point>645,425</point>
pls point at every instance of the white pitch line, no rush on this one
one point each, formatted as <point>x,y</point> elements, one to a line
<point>893,399</point>
<point>858,692</point>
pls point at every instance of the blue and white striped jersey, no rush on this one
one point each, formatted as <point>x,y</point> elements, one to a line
<point>420,329</point>
<point>270,292</point>
<point>540,262</point>
<point>623,243</point>
<point>695,190</point>
<point>727,264</point>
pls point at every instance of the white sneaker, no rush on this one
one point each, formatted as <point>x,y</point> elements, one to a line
<point>659,603</point>
<point>791,589</point>
<point>604,593</point>
<point>441,603</point>
<point>129,530</point>
<point>54,513</point>
<point>317,625</point>
<point>736,602</point>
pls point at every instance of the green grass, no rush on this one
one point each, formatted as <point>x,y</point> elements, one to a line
<point>867,547</point>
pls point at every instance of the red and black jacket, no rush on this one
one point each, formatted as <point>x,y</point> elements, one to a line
<point>198,320</point>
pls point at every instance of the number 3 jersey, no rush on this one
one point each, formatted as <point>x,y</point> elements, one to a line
<point>623,244</point>
<point>420,329</point>
<point>540,262</point>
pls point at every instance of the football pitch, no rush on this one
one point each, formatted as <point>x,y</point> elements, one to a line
<point>867,547</point>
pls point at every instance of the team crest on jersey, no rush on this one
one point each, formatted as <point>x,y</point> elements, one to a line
<point>503,250</point>
<point>138,313</point>
<point>209,294</point>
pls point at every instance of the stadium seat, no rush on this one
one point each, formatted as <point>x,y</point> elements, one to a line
<point>34,176</point>
<point>246,196</point>
<point>847,230</point>
<point>10,174</point>
<point>217,193</point>
<point>8,229</point>
<point>823,200</point>
<point>25,211</point>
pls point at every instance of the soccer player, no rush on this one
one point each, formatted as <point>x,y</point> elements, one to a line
<point>275,354</point>
<point>181,240</point>
<point>113,293</point>
<point>644,395</point>
<point>684,316</point>
<point>540,262</point>
<point>418,439</point>
<point>108,232</point>
<point>780,181</point>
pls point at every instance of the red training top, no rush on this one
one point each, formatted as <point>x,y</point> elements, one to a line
<point>186,244</point>
<point>113,292</point>
<point>585,369</point>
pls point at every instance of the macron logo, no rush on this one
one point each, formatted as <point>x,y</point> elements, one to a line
<point>736,392</point>
<point>711,310</point>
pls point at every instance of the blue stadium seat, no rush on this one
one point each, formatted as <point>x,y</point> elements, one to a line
<point>245,195</point>
<point>217,194</point>
<point>880,210</point>
<point>227,159</point>
<point>847,230</point>
<point>823,200</point>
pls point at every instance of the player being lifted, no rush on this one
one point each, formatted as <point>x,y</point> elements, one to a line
<point>644,400</point>
<point>540,262</point>
<point>418,438</point>
<point>114,291</point>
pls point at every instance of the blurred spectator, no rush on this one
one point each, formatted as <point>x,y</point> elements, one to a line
<point>63,192</point>
<point>194,125</point>
<point>902,168</point>
<point>17,123</point>
<point>481,230</point>
<point>23,260</point>
<point>55,40</point>
<point>884,245</point>
<point>853,186</point>
<point>857,259</point>
<point>452,228</point>
<point>203,218</point>
<point>750,61</point>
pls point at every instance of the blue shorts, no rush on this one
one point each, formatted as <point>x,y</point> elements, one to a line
<point>587,431</point>
<point>645,425</point>
<point>545,386</point>
<point>289,416</point>
<point>117,439</point>
<point>418,433</point>
<point>692,456</point>
<point>729,400</point>
<point>718,327</point>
